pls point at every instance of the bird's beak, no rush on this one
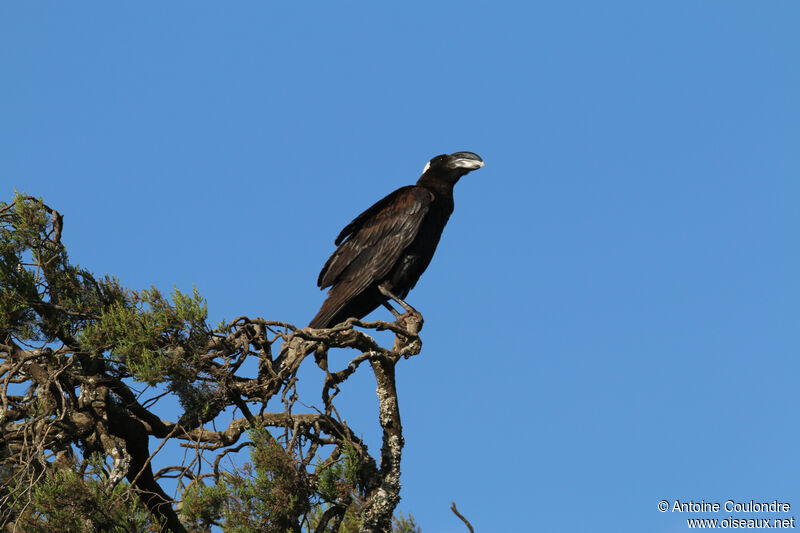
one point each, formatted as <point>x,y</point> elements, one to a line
<point>466,160</point>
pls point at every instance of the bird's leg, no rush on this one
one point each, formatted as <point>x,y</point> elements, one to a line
<point>411,320</point>
<point>386,292</point>
<point>391,309</point>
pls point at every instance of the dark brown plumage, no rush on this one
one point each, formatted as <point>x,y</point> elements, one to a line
<point>391,243</point>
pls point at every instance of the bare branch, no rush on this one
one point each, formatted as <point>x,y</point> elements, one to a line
<point>455,510</point>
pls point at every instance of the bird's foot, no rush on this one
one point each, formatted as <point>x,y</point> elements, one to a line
<point>411,320</point>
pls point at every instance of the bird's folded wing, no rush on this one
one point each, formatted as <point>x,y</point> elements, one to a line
<point>376,239</point>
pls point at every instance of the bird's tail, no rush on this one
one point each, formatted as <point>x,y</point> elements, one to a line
<point>327,313</point>
<point>319,321</point>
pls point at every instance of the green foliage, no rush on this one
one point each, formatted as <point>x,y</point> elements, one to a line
<point>203,505</point>
<point>158,341</point>
<point>43,299</point>
<point>153,338</point>
<point>268,495</point>
<point>37,279</point>
<point>272,494</point>
<point>339,479</point>
<point>405,524</point>
<point>63,500</point>
<point>18,235</point>
<point>351,523</point>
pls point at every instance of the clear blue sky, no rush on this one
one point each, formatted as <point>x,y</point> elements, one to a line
<point>612,313</point>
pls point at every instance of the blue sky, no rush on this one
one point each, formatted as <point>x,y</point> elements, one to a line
<point>611,316</point>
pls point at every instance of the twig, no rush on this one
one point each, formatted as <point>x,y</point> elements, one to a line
<point>455,510</point>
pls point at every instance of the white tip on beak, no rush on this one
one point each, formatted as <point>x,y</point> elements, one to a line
<point>469,164</point>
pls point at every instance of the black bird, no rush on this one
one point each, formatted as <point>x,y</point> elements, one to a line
<point>386,248</point>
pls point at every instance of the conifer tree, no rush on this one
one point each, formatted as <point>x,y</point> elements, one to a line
<point>87,371</point>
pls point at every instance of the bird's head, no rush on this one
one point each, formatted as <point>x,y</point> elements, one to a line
<point>452,166</point>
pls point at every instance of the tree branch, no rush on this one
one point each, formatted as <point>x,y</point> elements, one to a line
<point>455,510</point>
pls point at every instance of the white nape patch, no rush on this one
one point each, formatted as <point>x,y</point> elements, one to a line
<point>427,166</point>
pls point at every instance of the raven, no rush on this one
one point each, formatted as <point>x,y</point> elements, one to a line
<point>385,249</point>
